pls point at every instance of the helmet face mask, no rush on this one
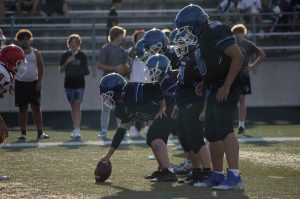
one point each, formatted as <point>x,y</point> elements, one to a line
<point>184,41</point>
<point>154,42</point>
<point>107,99</point>
<point>111,89</point>
<point>13,57</point>
<point>20,69</point>
<point>193,16</point>
<point>157,67</point>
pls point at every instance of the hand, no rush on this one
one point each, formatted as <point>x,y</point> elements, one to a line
<point>70,59</point>
<point>249,67</point>
<point>200,88</point>
<point>38,86</point>
<point>162,111</point>
<point>3,135</point>
<point>202,116</point>
<point>174,112</point>
<point>222,93</point>
<point>105,159</point>
<point>119,69</point>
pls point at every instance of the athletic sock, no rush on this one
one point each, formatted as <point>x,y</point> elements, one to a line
<point>236,172</point>
<point>242,124</point>
<point>40,132</point>
<point>23,132</point>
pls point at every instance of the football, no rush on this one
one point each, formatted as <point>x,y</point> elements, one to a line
<point>102,171</point>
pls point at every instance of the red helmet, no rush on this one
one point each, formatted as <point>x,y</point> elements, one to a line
<point>12,57</point>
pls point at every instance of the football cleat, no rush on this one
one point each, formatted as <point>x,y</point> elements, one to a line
<point>165,176</point>
<point>231,182</point>
<point>214,180</point>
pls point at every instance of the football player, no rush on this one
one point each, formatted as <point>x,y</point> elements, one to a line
<point>218,60</point>
<point>10,58</point>
<point>160,70</point>
<point>156,42</point>
<point>130,101</point>
<point>190,128</point>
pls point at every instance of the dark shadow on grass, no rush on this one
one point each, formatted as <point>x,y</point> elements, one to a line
<point>166,190</point>
<point>21,148</point>
<point>74,143</point>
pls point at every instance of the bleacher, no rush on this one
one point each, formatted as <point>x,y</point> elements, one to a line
<point>88,18</point>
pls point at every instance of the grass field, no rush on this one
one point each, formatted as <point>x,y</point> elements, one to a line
<point>270,169</point>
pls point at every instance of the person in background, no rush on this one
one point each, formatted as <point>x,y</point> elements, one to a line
<point>167,32</point>
<point>30,6</point>
<point>75,66</point>
<point>2,39</point>
<point>54,7</point>
<point>247,48</point>
<point>137,74</point>
<point>28,87</point>
<point>112,18</point>
<point>112,58</point>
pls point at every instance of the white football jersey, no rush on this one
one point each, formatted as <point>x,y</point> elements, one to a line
<point>5,80</point>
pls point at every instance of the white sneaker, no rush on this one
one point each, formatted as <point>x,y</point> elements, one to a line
<point>76,133</point>
<point>178,148</point>
<point>133,132</point>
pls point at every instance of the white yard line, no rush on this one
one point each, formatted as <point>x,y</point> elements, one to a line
<point>136,142</point>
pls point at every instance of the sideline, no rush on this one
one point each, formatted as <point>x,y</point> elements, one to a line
<point>136,142</point>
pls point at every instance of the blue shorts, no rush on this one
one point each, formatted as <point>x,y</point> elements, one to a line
<point>74,94</point>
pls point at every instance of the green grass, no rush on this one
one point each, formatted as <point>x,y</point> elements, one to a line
<point>270,169</point>
<point>67,172</point>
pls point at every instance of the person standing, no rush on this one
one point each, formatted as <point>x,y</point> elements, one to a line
<point>247,48</point>
<point>112,18</point>
<point>28,86</point>
<point>74,64</point>
<point>112,58</point>
<point>218,58</point>
<point>9,56</point>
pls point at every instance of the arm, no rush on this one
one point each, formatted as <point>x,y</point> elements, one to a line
<point>62,67</point>
<point>117,139</point>
<point>234,52</point>
<point>40,68</point>
<point>260,58</point>
<point>105,67</point>
<point>3,130</point>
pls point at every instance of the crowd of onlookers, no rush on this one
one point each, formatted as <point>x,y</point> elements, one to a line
<point>244,11</point>
<point>43,8</point>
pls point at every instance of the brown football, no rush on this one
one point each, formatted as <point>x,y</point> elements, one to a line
<point>102,171</point>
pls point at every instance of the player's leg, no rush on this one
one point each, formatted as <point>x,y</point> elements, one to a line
<point>23,117</point>
<point>105,114</point>
<point>225,114</point>
<point>242,114</point>
<point>215,145</point>
<point>157,138</point>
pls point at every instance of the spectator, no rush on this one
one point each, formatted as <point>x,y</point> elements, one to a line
<point>247,48</point>
<point>59,7</point>
<point>10,54</point>
<point>281,19</point>
<point>2,39</point>
<point>137,74</point>
<point>295,4</point>
<point>2,9</point>
<point>250,8</point>
<point>113,58</point>
<point>227,8</point>
<point>74,64</point>
<point>30,6</point>
<point>28,86</point>
<point>167,32</point>
<point>112,19</point>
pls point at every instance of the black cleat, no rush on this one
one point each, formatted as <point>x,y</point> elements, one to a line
<point>241,130</point>
<point>42,136</point>
<point>165,176</point>
<point>155,174</point>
